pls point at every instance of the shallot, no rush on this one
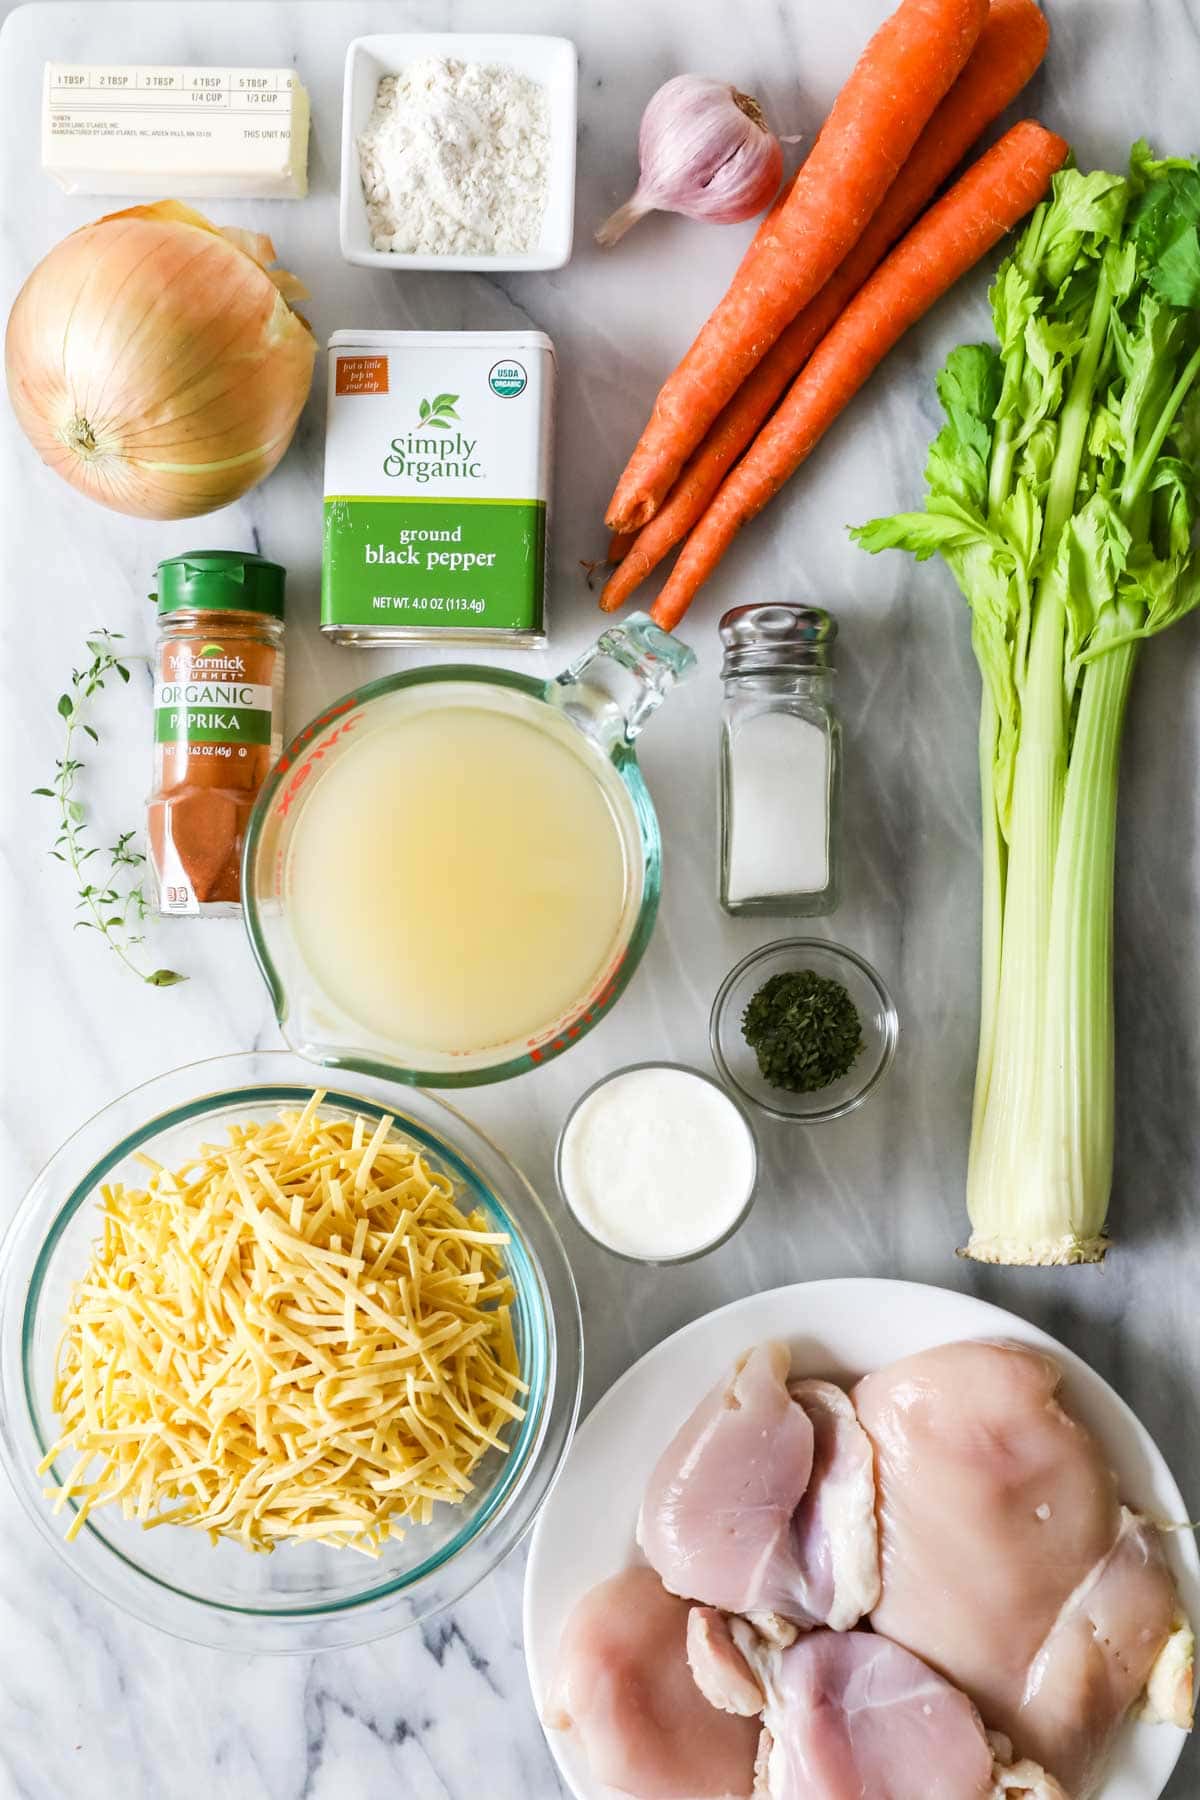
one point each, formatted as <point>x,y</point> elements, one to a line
<point>704,150</point>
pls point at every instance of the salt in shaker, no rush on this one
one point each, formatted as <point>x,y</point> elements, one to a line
<point>780,762</point>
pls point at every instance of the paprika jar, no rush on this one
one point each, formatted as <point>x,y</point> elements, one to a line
<point>218,721</point>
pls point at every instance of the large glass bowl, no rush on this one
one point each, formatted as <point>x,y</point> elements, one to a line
<point>299,1597</point>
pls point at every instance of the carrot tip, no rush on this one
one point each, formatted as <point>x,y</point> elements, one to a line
<point>629,523</point>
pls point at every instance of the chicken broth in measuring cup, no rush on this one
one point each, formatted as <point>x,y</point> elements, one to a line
<point>460,876</point>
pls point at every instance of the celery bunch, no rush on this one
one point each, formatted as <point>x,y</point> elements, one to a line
<point>1063,489</point>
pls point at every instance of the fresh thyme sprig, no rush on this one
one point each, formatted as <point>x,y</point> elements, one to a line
<point>115,905</point>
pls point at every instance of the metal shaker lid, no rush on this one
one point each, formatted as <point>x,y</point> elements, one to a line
<point>776,635</point>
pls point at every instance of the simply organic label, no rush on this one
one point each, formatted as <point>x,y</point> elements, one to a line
<point>436,486</point>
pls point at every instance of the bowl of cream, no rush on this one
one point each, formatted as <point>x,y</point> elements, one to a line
<point>657,1163</point>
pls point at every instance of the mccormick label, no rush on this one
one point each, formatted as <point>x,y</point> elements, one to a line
<point>437,486</point>
<point>211,700</point>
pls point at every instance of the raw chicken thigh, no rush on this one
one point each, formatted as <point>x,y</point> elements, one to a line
<point>1023,1611</point>
<point>1009,1563</point>
<point>833,1528</point>
<point>848,1714</point>
<point>1089,1670</point>
<point>762,1502</point>
<point>716,1519</point>
<point>624,1685</point>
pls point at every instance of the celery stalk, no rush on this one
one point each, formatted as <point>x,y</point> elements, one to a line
<point>1063,489</point>
<point>1012,1115</point>
<point>1060,1159</point>
<point>994,865</point>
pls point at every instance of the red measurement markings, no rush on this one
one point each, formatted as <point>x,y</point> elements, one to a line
<point>540,1052</point>
<point>296,749</point>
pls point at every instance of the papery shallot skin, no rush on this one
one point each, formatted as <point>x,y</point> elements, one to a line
<point>622,1683</point>
<point>704,150</point>
<point>1009,1563</point>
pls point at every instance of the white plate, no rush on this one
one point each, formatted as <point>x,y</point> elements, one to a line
<point>838,1328</point>
<point>550,60</point>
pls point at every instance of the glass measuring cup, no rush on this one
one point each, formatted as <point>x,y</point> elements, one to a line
<point>597,708</point>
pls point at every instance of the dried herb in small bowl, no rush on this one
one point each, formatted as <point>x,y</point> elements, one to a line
<point>804,1029</point>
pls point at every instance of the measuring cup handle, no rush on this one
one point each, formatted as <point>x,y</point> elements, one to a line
<point>613,687</point>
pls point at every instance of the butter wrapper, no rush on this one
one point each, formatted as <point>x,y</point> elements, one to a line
<point>184,133</point>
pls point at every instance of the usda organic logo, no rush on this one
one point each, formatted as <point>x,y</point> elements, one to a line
<point>508,379</point>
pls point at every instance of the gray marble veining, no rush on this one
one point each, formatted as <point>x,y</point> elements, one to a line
<point>95,1705</point>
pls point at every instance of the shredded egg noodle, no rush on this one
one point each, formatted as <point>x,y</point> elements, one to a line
<point>297,1335</point>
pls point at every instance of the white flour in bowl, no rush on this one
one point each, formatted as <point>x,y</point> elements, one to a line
<point>454,160</point>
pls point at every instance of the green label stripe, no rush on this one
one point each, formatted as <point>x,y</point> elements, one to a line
<point>212,725</point>
<point>426,561</point>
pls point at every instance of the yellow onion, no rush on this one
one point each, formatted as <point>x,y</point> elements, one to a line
<point>156,363</point>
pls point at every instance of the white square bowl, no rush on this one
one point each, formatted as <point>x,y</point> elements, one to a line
<point>552,61</point>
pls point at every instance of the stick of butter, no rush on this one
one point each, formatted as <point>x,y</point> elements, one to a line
<point>232,133</point>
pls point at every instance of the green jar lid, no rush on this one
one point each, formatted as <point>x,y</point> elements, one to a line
<point>220,581</point>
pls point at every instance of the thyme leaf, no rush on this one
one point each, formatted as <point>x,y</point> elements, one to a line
<point>114,905</point>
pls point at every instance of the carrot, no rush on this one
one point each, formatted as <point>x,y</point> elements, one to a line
<point>766,225</point>
<point>875,121</point>
<point>994,195</point>
<point>1008,50</point>
<point>620,542</point>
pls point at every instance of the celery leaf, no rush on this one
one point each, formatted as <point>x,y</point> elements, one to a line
<point>1166,230</point>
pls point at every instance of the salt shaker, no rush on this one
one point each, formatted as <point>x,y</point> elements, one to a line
<point>780,762</point>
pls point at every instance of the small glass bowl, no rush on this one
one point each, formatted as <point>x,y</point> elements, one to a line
<point>737,1062</point>
<point>684,1256</point>
<point>300,1597</point>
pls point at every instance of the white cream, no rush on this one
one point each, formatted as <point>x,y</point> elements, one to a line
<point>657,1163</point>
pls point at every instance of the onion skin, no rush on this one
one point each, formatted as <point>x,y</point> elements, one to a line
<point>154,364</point>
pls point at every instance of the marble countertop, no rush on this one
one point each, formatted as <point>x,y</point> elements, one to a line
<point>93,1704</point>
